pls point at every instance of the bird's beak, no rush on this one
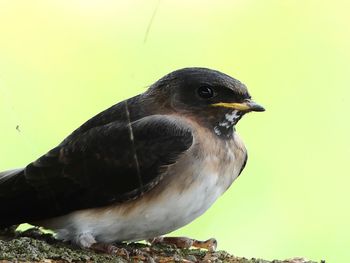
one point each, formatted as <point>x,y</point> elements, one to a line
<point>246,106</point>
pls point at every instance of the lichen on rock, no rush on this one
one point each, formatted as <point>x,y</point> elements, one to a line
<point>34,246</point>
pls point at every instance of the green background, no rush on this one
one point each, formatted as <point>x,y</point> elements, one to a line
<point>61,62</point>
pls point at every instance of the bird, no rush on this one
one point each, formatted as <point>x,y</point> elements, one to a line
<point>140,169</point>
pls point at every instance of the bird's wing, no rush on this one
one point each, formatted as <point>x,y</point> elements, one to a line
<point>107,164</point>
<point>127,110</point>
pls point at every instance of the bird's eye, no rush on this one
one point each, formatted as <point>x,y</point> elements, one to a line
<point>205,92</point>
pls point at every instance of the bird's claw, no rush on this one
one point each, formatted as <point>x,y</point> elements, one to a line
<point>185,242</point>
<point>210,244</point>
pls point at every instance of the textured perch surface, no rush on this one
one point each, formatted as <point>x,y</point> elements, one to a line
<point>35,247</point>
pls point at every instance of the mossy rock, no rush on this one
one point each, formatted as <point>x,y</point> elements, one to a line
<point>33,246</point>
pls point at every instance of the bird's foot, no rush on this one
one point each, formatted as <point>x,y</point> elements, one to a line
<point>185,242</point>
<point>109,249</point>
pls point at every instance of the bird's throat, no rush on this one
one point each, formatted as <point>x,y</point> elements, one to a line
<point>226,127</point>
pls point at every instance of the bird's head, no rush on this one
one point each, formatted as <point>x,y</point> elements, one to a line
<point>208,96</point>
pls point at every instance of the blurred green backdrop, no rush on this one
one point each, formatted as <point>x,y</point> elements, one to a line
<point>62,61</point>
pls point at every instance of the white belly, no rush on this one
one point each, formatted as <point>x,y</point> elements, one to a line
<point>169,211</point>
<point>169,206</point>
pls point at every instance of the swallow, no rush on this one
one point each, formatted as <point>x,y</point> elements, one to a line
<point>140,169</point>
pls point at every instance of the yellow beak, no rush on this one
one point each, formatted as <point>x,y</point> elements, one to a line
<point>247,106</point>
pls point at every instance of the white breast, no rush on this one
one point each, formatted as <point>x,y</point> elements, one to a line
<point>190,187</point>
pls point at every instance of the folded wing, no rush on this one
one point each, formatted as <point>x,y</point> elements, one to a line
<point>106,164</point>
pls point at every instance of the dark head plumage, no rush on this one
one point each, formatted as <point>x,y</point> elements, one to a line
<point>210,96</point>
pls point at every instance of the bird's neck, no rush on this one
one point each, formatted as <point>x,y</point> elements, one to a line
<point>226,126</point>
<point>223,125</point>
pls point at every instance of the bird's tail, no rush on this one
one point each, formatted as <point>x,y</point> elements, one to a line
<point>4,176</point>
<point>8,193</point>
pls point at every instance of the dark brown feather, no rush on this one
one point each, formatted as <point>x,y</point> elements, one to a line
<point>94,169</point>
